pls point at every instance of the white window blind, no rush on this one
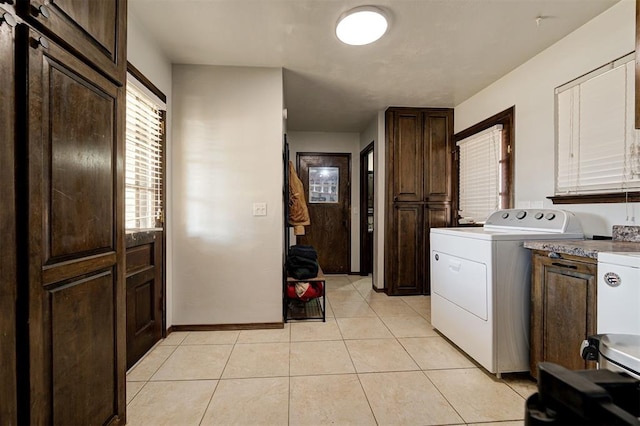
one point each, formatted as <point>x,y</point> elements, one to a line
<point>480,176</point>
<point>597,148</point>
<point>143,165</point>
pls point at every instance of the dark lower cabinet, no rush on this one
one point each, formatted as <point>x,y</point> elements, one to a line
<point>563,309</point>
<point>144,261</point>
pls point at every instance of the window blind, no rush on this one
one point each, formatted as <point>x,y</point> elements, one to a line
<point>597,147</point>
<point>143,161</point>
<point>479,169</point>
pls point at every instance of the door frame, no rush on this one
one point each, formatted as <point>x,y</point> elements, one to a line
<point>349,227</point>
<point>161,226</point>
<point>364,191</point>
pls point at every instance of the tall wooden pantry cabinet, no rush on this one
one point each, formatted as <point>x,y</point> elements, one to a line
<point>69,63</point>
<point>419,163</point>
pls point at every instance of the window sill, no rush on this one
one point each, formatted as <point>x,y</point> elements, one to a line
<point>136,237</point>
<point>613,197</point>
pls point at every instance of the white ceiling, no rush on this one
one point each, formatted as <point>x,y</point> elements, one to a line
<point>436,53</point>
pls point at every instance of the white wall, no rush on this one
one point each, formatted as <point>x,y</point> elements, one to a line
<point>147,57</point>
<point>338,143</point>
<point>530,88</point>
<point>227,155</point>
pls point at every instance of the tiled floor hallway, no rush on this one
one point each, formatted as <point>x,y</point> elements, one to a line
<point>377,360</point>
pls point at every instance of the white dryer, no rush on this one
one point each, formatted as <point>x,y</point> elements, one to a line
<point>480,283</point>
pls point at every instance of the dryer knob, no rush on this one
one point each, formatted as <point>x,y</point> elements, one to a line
<point>521,214</point>
<point>505,215</point>
<point>539,215</point>
<point>551,216</point>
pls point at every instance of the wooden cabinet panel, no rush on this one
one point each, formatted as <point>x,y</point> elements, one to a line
<point>438,144</point>
<point>408,165</point>
<point>563,314</point>
<point>144,293</point>
<point>80,179</point>
<point>83,329</point>
<point>8,401</point>
<point>73,118</point>
<point>408,254</point>
<point>95,29</point>
<point>438,215</point>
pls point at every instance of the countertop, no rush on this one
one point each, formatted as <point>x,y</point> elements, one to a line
<point>582,248</point>
<point>624,239</point>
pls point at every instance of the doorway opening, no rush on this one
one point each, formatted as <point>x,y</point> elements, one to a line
<point>366,210</point>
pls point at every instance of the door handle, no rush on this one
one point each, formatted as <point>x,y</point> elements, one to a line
<point>562,265</point>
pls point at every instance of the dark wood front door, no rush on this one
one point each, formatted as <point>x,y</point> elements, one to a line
<point>70,179</point>
<point>329,208</point>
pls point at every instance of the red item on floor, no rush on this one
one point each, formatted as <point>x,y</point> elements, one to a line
<point>304,291</point>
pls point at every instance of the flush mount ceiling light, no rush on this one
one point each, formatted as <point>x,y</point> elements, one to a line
<point>362,25</point>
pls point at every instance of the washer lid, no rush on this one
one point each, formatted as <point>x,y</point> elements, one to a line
<point>622,349</point>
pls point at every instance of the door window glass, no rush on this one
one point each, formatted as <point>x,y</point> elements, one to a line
<point>323,184</point>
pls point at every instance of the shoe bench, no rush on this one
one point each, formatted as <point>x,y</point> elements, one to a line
<point>296,309</point>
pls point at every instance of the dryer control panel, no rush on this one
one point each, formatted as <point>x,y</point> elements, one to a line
<point>544,220</point>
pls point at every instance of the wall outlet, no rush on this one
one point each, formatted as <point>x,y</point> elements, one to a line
<point>259,209</point>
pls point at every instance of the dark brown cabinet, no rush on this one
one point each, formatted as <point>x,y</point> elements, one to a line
<point>563,309</point>
<point>95,30</point>
<point>8,383</point>
<point>62,277</point>
<point>144,260</point>
<point>419,182</point>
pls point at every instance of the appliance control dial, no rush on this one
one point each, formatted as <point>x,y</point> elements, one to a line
<point>551,216</point>
<point>521,214</point>
<point>505,215</point>
<point>539,215</point>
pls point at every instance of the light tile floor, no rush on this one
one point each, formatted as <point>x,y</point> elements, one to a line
<point>377,360</point>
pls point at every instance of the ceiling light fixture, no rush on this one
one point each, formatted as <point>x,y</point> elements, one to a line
<point>362,25</point>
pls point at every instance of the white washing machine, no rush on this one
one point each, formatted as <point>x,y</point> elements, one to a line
<point>618,296</point>
<point>480,283</point>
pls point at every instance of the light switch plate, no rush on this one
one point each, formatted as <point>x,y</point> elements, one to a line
<point>259,209</point>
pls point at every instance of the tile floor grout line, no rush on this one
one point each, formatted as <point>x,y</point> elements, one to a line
<point>204,413</point>
<point>445,397</point>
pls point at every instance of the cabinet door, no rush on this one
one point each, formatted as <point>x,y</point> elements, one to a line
<point>96,29</point>
<point>144,293</point>
<point>438,128</point>
<point>405,272</point>
<point>563,311</point>
<point>76,299</point>
<point>8,403</point>
<point>406,152</point>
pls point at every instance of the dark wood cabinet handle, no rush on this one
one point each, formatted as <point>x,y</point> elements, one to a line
<point>562,265</point>
<point>8,18</point>
<point>40,41</point>
<point>41,10</point>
